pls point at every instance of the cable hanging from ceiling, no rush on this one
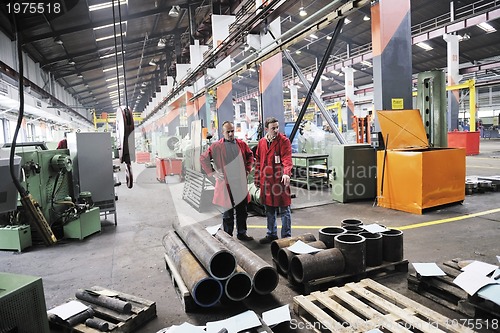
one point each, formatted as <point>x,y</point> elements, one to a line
<point>122,54</point>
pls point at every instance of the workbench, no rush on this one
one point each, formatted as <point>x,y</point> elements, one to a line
<point>310,169</point>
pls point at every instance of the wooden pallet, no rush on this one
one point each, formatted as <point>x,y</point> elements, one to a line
<point>442,290</point>
<point>143,311</point>
<point>180,288</point>
<point>366,305</point>
<point>387,268</point>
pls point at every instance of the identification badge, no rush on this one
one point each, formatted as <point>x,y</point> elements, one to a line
<point>277,159</point>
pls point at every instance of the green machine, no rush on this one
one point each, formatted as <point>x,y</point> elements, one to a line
<point>47,176</point>
<point>431,101</point>
<point>354,172</point>
<point>22,304</point>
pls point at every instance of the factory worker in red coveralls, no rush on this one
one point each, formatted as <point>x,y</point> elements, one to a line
<point>232,162</point>
<point>273,166</point>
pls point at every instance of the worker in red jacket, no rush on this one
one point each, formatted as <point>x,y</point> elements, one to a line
<point>232,161</point>
<point>273,166</point>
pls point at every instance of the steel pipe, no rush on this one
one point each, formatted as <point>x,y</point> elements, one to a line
<point>327,234</point>
<point>285,255</point>
<point>278,244</point>
<point>353,247</point>
<point>374,253</point>
<point>205,290</point>
<point>346,222</point>
<point>217,260</point>
<point>239,285</point>
<point>264,277</point>
<point>307,267</point>
<point>392,245</point>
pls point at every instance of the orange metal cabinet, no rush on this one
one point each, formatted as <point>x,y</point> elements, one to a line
<point>467,140</point>
<point>416,177</point>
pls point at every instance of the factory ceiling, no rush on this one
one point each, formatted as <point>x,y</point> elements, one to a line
<point>81,52</point>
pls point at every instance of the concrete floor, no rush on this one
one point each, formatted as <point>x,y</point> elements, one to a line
<point>129,257</point>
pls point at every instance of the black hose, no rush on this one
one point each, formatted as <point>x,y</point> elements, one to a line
<point>22,191</point>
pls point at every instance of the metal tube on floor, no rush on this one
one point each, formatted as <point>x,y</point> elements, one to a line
<point>205,290</point>
<point>217,260</point>
<point>105,301</point>
<point>285,255</point>
<point>278,244</point>
<point>239,285</point>
<point>307,267</point>
<point>265,277</point>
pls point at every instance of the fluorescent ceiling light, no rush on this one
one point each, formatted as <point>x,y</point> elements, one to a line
<point>328,37</point>
<point>113,78</point>
<point>313,36</point>
<point>486,27</point>
<point>298,52</point>
<point>302,12</point>
<point>108,25</point>
<point>110,55</point>
<point>152,62</point>
<point>324,77</point>
<point>347,21</point>
<point>366,18</point>
<point>109,37</point>
<point>106,5</point>
<point>161,42</point>
<point>251,69</point>
<point>366,63</point>
<point>424,46</point>
<point>111,68</point>
<point>114,85</point>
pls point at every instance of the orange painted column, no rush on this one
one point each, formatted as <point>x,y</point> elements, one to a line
<point>271,82</point>
<point>392,63</point>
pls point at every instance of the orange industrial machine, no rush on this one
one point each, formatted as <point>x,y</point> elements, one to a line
<point>411,176</point>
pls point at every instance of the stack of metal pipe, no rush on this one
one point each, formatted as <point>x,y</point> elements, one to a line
<point>212,267</point>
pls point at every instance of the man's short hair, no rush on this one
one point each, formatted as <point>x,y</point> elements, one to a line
<point>227,122</point>
<point>270,120</point>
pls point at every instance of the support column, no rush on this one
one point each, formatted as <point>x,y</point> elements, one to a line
<point>350,96</point>
<point>271,80</point>
<point>202,111</point>
<point>224,105</point>
<point>392,65</point>
<point>294,99</point>
<point>454,78</point>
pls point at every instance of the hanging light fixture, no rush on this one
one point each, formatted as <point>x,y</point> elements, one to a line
<point>174,12</point>
<point>152,62</point>
<point>302,11</point>
<point>162,42</point>
<point>58,41</point>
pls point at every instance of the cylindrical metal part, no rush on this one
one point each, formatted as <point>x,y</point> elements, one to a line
<point>97,323</point>
<point>353,248</point>
<point>353,229</point>
<point>205,290</point>
<point>264,276</point>
<point>327,234</point>
<point>238,286</point>
<point>80,317</point>
<point>105,301</point>
<point>355,222</point>
<point>217,260</point>
<point>285,255</point>
<point>374,253</point>
<point>392,241</point>
<point>278,244</point>
<point>307,267</point>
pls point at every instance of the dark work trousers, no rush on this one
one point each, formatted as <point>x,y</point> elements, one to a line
<point>241,218</point>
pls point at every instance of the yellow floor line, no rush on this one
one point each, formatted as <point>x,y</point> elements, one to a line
<point>406,227</point>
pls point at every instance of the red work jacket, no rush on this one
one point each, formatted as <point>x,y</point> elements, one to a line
<point>271,163</point>
<point>224,188</point>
